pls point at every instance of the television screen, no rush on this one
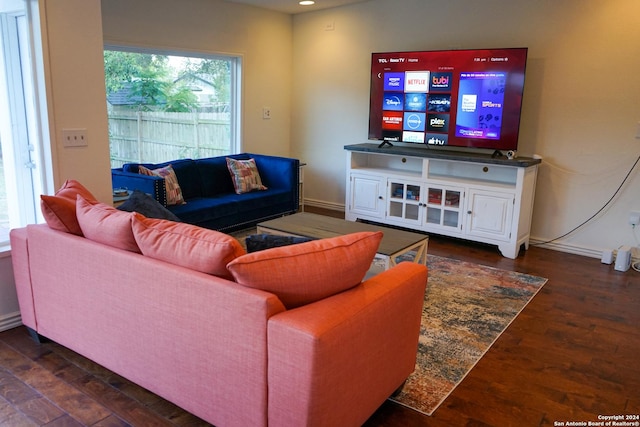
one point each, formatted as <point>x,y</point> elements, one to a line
<point>455,98</point>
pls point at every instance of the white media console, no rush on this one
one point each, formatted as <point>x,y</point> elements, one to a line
<point>466,195</point>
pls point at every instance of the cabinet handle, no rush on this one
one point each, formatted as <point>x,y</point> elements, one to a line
<point>469,212</point>
<point>380,197</point>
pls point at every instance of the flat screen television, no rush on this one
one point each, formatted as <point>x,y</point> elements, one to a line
<point>448,98</point>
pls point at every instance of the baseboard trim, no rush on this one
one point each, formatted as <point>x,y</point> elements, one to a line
<point>566,247</point>
<point>324,205</point>
<point>10,321</point>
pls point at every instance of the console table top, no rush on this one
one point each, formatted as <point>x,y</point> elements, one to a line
<point>444,155</point>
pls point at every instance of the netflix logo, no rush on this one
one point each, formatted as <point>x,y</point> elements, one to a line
<point>416,81</point>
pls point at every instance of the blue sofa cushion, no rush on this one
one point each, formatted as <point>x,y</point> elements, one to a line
<point>260,199</point>
<point>203,209</point>
<point>215,178</point>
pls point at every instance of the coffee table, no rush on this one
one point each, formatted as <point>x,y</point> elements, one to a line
<point>396,245</point>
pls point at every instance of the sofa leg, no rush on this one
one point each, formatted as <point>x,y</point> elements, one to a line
<point>40,339</point>
<point>399,389</point>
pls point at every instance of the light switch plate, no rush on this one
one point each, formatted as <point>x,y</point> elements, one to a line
<point>75,137</point>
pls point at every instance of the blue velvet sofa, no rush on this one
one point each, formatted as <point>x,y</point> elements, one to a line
<point>207,188</point>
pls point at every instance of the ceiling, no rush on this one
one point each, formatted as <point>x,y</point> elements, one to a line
<point>292,6</point>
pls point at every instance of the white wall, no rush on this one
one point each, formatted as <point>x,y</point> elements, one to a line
<point>76,92</point>
<point>581,102</point>
<point>261,37</point>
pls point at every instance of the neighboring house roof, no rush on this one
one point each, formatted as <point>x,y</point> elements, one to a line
<point>196,83</point>
<point>124,96</point>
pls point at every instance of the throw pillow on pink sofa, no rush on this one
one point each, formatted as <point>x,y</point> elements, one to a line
<point>307,272</point>
<point>59,211</point>
<point>190,246</point>
<point>105,224</point>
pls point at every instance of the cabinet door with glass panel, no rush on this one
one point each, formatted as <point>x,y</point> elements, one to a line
<point>405,204</point>
<point>444,208</point>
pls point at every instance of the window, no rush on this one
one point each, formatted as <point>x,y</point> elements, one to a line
<point>164,105</point>
<point>22,156</point>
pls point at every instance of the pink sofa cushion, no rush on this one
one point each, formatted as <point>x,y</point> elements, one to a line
<point>105,224</point>
<point>187,245</point>
<point>307,272</point>
<point>59,211</point>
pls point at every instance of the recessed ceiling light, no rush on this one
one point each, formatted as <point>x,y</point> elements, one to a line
<point>306,3</point>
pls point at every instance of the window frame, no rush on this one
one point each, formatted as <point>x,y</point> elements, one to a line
<point>26,99</point>
<point>235,101</point>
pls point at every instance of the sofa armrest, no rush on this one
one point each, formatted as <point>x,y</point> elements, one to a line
<point>281,173</point>
<point>334,362</point>
<point>22,276</point>
<point>153,185</point>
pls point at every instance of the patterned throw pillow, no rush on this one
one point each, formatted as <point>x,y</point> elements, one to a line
<point>174,193</point>
<point>245,176</point>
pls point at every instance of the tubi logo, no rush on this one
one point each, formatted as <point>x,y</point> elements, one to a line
<point>440,82</point>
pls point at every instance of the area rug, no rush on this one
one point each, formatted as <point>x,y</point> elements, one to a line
<point>466,308</point>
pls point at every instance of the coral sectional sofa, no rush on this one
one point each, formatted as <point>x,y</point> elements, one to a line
<point>289,336</point>
<point>208,190</point>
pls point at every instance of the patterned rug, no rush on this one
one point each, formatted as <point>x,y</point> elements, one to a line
<point>466,308</point>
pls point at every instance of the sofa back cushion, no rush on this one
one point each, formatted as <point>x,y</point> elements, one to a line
<point>105,224</point>
<point>307,272</point>
<point>59,211</point>
<point>214,176</point>
<point>187,245</point>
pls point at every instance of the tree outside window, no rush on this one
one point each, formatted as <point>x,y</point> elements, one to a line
<point>165,107</point>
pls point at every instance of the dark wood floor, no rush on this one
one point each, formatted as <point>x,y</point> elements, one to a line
<point>571,355</point>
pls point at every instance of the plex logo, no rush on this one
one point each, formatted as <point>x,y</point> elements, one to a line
<point>437,122</point>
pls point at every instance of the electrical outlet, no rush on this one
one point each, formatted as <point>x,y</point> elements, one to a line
<point>634,218</point>
<point>266,113</point>
<point>75,137</point>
